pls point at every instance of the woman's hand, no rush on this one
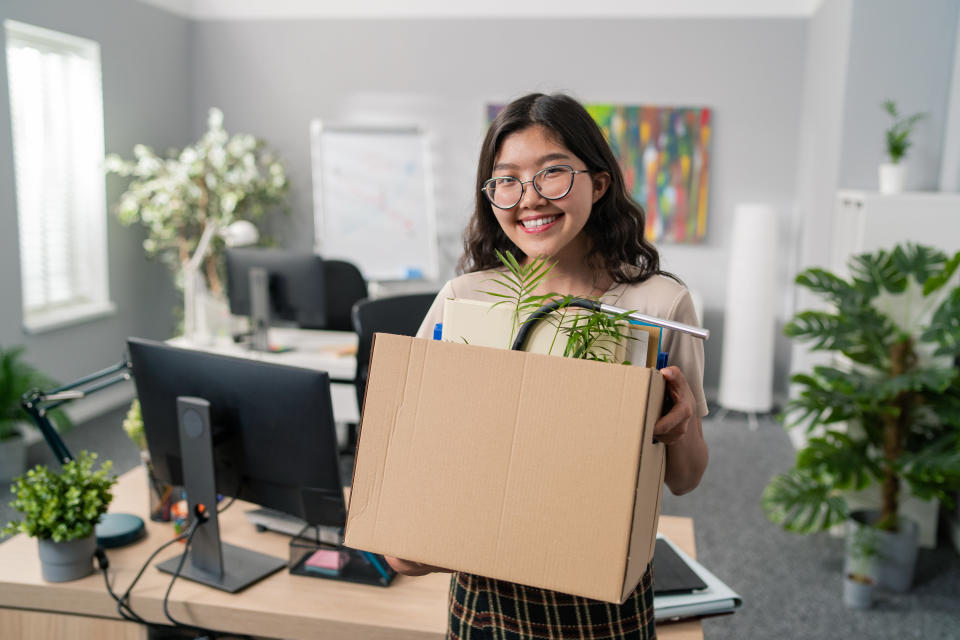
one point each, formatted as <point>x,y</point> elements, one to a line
<point>411,568</point>
<point>681,431</point>
<point>673,425</point>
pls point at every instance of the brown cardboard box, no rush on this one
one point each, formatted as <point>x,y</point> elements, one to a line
<point>530,468</point>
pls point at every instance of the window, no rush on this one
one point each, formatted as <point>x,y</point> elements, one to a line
<point>56,110</point>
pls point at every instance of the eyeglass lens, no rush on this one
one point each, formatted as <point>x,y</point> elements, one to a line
<point>551,183</point>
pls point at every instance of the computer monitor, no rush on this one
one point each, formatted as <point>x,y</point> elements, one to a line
<point>254,430</point>
<point>272,284</point>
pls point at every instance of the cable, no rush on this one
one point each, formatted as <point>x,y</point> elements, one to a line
<point>197,521</point>
<point>233,498</point>
<point>124,610</point>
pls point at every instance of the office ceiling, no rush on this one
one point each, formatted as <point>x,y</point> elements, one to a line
<point>426,9</point>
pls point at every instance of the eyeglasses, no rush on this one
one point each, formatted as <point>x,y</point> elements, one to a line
<point>552,183</point>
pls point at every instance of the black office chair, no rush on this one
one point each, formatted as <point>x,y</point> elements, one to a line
<point>345,286</point>
<point>400,315</point>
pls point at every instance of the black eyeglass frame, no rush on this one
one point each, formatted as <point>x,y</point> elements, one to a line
<point>523,183</point>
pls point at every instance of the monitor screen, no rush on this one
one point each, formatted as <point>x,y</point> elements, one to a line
<point>274,440</point>
<point>296,287</point>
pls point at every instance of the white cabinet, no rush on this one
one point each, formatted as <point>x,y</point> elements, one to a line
<point>865,221</point>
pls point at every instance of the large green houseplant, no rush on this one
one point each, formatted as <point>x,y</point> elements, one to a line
<point>887,409</point>
<point>17,376</point>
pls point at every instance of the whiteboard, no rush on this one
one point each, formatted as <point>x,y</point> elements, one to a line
<point>373,200</point>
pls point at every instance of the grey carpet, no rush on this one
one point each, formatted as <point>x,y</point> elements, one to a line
<point>791,585</point>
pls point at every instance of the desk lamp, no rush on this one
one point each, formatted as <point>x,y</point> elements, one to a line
<point>114,529</point>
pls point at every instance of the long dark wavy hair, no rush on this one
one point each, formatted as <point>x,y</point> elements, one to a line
<point>616,223</point>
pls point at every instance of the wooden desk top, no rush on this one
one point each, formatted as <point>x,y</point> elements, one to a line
<point>282,605</point>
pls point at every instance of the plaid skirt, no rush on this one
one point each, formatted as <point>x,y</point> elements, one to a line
<point>488,609</point>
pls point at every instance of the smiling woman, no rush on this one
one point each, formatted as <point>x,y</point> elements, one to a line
<point>549,188</point>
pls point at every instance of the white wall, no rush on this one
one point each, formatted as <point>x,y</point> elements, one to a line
<point>903,51</point>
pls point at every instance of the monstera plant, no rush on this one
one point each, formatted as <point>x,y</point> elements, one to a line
<point>886,409</point>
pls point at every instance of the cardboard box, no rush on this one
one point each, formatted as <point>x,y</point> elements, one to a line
<point>529,468</point>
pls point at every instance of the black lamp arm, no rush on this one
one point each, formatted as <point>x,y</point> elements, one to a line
<point>38,403</point>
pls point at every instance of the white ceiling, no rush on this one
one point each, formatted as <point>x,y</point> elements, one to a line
<point>422,9</point>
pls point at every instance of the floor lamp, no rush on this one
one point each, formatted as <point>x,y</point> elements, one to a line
<point>746,374</point>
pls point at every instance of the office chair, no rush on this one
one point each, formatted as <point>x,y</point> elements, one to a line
<point>400,315</point>
<point>344,287</point>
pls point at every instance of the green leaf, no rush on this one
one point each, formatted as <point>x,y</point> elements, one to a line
<point>802,503</point>
<point>919,261</point>
<point>934,282</point>
<point>944,327</point>
<point>843,459</point>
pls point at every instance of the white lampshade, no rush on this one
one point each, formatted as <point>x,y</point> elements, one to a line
<point>746,374</point>
<point>241,233</point>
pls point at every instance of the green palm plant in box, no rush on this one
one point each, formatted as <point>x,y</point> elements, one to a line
<point>896,388</point>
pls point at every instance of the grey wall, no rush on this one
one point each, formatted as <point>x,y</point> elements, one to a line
<point>272,77</point>
<point>145,55</point>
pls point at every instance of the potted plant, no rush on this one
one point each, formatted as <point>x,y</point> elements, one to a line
<point>16,378</point>
<point>863,548</point>
<point>189,199</point>
<point>887,410</point>
<point>893,174</point>
<point>60,510</point>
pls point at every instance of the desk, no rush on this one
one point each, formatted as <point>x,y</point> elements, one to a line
<point>282,605</point>
<point>330,351</point>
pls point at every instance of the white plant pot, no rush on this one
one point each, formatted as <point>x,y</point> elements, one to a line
<point>893,177</point>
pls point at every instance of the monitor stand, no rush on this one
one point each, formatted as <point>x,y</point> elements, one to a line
<point>259,309</point>
<point>220,565</point>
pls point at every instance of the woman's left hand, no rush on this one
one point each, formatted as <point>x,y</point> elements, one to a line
<point>672,426</point>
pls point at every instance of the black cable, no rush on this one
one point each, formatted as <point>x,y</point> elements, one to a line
<point>520,341</point>
<point>233,498</point>
<point>229,504</point>
<point>197,521</point>
<point>124,610</point>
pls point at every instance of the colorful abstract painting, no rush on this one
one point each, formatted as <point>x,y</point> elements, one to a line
<point>664,153</point>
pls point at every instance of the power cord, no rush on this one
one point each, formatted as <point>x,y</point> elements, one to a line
<point>125,610</point>
<point>123,605</point>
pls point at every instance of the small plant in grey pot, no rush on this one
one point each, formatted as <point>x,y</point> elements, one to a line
<point>61,510</point>
<point>863,551</point>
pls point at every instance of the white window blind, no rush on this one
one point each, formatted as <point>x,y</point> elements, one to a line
<point>56,110</point>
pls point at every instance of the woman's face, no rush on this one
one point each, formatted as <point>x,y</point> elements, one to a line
<point>541,227</point>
